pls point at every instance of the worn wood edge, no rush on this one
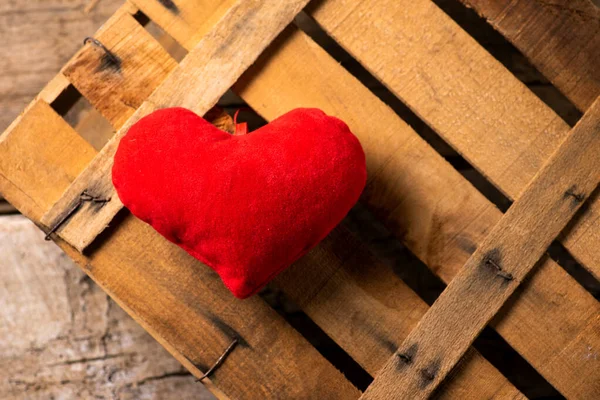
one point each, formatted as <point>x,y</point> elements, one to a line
<point>549,269</point>
<point>49,93</point>
<point>481,360</point>
<point>60,82</point>
<point>33,209</point>
<point>505,391</point>
<point>510,162</point>
<point>581,19</point>
<point>183,360</point>
<point>92,218</point>
<point>492,273</point>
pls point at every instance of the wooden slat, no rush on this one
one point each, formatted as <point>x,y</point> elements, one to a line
<point>350,307</point>
<point>143,65</point>
<point>478,379</point>
<point>180,302</point>
<point>185,21</point>
<point>483,111</point>
<point>496,268</point>
<point>368,311</point>
<point>197,84</point>
<point>36,39</point>
<point>434,213</point>
<point>432,208</point>
<point>561,38</point>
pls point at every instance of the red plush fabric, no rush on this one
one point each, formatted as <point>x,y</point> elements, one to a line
<point>247,206</point>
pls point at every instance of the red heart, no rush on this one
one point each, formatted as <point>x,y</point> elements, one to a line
<point>247,206</point>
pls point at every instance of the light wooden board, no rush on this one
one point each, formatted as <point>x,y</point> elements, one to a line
<point>351,299</point>
<point>444,233</point>
<point>496,268</point>
<point>431,207</point>
<point>478,378</point>
<point>37,37</point>
<point>64,338</point>
<point>365,310</point>
<point>561,38</point>
<point>180,302</point>
<point>399,162</point>
<point>126,85</point>
<point>197,83</point>
<point>467,96</point>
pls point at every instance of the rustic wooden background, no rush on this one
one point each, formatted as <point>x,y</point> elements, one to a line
<point>63,337</point>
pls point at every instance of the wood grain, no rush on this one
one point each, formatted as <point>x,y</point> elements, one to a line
<point>197,83</point>
<point>422,214</point>
<point>433,209</point>
<point>63,337</point>
<point>37,37</point>
<point>478,379</point>
<point>496,268</point>
<point>442,218</point>
<point>350,307</point>
<point>177,300</point>
<point>467,96</point>
<point>560,37</point>
<point>124,86</point>
<point>367,311</point>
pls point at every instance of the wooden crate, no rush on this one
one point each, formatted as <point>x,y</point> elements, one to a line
<point>449,81</point>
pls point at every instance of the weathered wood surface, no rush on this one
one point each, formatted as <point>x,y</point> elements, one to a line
<point>496,268</point>
<point>560,37</point>
<point>136,52</point>
<point>483,111</point>
<point>196,317</point>
<point>37,38</point>
<point>433,209</point>
<point>366,310</point>
<point>62,337</point>
<point>478,379</point>
<point>423,214</point>
<point>371,327</point>
<point>197,83</point>
<point>429,205</point>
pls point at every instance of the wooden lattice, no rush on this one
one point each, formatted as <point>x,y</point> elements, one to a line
<point>424,58</point>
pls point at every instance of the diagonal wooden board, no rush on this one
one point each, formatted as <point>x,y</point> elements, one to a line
<point>560,37</point>
<point>496,268</point>
<point>311,78</point>
<point>197,83</point>
<point>442,220</point>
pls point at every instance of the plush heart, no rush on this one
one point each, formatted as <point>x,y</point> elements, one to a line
<point>247,206</point>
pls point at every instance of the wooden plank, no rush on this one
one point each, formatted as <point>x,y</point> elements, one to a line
<point>124,86</point>
<point>432,208</point>
<point>561,38</point>
<point>479,379</point>
<point>197,84</point>
<point>186,21</point>
<point>180,302</point>
<point>329,283</point>
<point>461,91</point>
<point>496,268</point>
<point>64,337</point>
<point>36,39</point>
<point>434,213</point>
